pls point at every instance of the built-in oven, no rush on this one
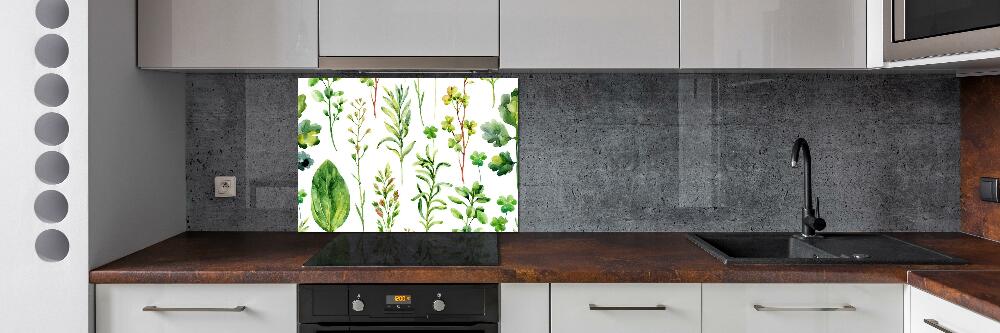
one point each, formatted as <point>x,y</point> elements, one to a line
<point>387,308</point>
<point>916,29</point>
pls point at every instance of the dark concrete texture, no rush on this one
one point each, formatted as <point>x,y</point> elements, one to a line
<point>640,152</point>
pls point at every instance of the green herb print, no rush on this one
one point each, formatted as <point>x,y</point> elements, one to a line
<point>493,89</point>
<point>502,164</point>
<point>308,134</point>
<point>331,201</point>
<point>465,128</point>
<point>387,206</point>
<point>427,194</point>
<point>420,99</point>
<point>373,84</point>
<point>302,105</point>
<point>407,175</point>
<point>508,109</point>
<point>358,134</point>
<point>333,100</point>
<point>470,199</point>
<point>398,124</point>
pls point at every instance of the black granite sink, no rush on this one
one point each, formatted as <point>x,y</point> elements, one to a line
<point>833,248</point>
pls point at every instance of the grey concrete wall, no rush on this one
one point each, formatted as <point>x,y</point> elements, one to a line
<point>641,152</point>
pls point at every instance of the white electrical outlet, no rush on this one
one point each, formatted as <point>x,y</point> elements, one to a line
<point>225,187</point>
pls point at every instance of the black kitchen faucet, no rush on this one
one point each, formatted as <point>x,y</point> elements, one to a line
<point>810,221</point>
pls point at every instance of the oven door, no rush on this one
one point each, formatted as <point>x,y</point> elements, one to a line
<point>474,328</point>
<point>916,29</point>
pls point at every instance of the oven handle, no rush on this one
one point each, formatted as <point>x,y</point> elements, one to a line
<point>313,328</point>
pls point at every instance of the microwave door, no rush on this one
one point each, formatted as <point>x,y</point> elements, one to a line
<point>916,29</point>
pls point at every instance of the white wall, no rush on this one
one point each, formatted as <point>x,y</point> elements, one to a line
<point>38,295</point>
<point>137,185</point>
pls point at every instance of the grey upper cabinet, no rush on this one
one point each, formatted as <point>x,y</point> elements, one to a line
<point>380,32</point>
<point>581,34</point>
<point>774,34</point>
<point>192,34</point>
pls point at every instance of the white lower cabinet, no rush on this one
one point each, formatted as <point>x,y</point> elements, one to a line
<point>189,308</point>
<point>930,314</point>
<point>626,308</point>
<point>524,308</point>
<point>802,308</point>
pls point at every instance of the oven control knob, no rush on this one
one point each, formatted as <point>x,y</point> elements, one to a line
<point>358,305</point>
<point>438,305</point>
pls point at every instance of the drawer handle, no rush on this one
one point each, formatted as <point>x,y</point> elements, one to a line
<point>759,307</point>
<point>657,307</point>
<point>154,308</point>
<point>935,324</point>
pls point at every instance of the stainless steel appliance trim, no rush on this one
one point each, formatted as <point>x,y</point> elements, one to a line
<point>935,324</point>
<point>957,43</point>
<point>848,307</point>
<point>658,307</point>
<point>410,63</point>
<point>154,308</point>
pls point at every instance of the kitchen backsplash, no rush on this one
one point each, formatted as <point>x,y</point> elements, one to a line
<point>639,152</point>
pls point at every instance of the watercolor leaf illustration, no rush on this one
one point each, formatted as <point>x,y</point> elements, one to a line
<point>506,203</point>
<point>427,195</point>
<point>308,134</point>
<point>502,163</point>
<point>499,223</point>
<point>305,161</point>
<point>477,158</point>
<point>496,133</point>
<point>359,133</point>
<point>387,207</point>
<point>430,132</point>
<point>493,89</point>
<point>470,199</point>
<point>398,123</point>
<point>508,108</point>
<point>331,201</point>
<point>333,100</point>
<point>301,104</point>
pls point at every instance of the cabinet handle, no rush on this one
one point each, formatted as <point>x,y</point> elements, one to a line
<point>935,324</point>
<point>154,308</point>
<point>759,307</point>
<point>595,307</point>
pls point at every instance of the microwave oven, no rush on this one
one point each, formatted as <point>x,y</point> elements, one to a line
<point>915,29</point>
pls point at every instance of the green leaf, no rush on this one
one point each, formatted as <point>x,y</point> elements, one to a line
<point>302,104</point>
<point>506,203</point>
<point>313,81</point>
<point>502,164</point>
<point>508,108</point>
<point>430,132</point>
<point>308,134</point>
<point>318,96</point>
<point>481,216</point>
<point>499,223</point>
<point>496,133</point>
<point>477,158</point>
<point>302,196</point>
<point>331,201</point>
<point>456,213</point>
<point>456,200</point>
<point>305,161</point>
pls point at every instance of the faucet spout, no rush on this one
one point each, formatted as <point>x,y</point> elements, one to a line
<point>810,222</point>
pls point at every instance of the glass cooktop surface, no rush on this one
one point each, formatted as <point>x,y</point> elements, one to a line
<point>408,249</point>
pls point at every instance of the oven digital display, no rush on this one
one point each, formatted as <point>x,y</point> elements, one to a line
<point>398,299</point>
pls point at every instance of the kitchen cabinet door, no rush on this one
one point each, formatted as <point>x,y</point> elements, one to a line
<point>774,34</point>
<point>524,308</point>
<point>189,308</point>
<point>626,307</point>
<point>192,34</point>
<point>407,28</point>
<point>589,34</point>
<point>930,314</point>
<point>802,308</point>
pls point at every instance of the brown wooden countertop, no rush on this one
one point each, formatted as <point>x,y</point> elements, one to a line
<point>269,257</point>
<point>978,291</point>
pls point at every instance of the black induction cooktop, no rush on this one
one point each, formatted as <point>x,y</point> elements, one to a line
<point>408,249</point>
